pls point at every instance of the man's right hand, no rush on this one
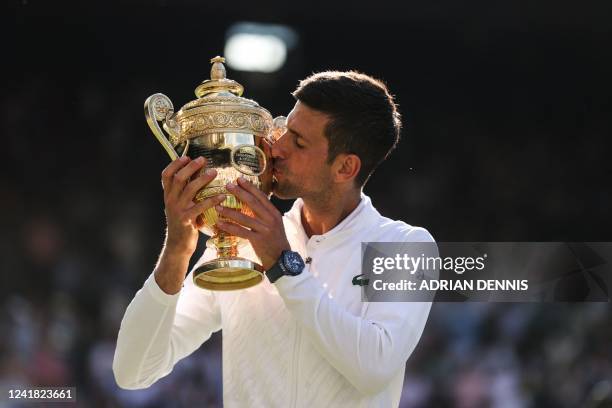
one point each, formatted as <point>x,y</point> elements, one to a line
<point>180,188</point>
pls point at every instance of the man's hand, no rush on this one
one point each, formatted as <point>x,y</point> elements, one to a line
<point>265,231</point>
<point>180,188</point>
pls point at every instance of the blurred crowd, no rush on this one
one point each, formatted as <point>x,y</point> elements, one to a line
<point>82,224</point>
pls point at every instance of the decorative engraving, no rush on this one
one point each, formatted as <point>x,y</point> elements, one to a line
<point>256,122</point>
<point>220,119</point>
<point>225,121</point>
<point>220,100</point>
<point>238,120</point>
<point>161,107</point>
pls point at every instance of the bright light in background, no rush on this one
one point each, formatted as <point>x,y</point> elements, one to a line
<point>255,52</point>
<point>258,47</point>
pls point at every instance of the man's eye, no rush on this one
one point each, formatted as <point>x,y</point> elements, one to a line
<point>299,146</point>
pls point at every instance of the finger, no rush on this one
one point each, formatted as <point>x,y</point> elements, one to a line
<point>204,205</point>
<point>250,200</point>
<point>235,229</point>
<point>179,181</point>
<point>195,185</point>
<point>171,169</point>
<point>240,218</point>
<point>259,195</point>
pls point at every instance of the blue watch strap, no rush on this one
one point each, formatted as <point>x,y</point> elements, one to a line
<point>276,271</point>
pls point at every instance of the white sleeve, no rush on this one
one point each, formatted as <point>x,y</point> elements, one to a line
<point>158,330</point>
<point>368,350</point>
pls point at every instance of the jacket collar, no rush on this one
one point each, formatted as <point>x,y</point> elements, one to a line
<point>362,216</point>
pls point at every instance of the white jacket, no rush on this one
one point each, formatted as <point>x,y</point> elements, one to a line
<point>304,341</point>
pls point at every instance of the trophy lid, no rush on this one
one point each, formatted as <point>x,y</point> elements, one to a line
<point>219,89</point>
<point>218,83</point>
<point>220,107</point>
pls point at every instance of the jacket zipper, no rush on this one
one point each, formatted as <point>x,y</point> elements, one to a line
<point>296,359</point>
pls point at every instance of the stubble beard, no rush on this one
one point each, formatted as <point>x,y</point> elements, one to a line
<point>288,190</point>
<point>285,190</point>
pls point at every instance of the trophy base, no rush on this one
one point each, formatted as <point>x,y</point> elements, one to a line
<point>228,274</point>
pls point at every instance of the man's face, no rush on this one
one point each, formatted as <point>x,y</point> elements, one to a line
<point>300,156</point>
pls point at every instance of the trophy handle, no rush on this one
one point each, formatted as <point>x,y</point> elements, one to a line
<point>158,108</point>
<point>279,128</point>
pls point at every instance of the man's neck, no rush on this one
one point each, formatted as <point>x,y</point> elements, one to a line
<point>320,216</point>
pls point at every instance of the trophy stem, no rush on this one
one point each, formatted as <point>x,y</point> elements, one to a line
<point>228,271</point>
<point>226,245</point>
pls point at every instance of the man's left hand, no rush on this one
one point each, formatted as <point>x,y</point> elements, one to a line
<point>265,231</point>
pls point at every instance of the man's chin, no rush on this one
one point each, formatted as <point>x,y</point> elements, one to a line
<point>281,191</point>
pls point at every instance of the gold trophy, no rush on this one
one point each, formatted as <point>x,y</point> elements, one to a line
<point>234,135</point>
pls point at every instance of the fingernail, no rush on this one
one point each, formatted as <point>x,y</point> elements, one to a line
<point>219,208</point>
<point>200,159</point>
<point>230,186</point>
<point>210,172</point>
<point>184,158</point>
<point>242,179</point>
<point>221,197</point>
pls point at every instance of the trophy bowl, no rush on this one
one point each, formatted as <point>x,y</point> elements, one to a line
<point>234,134</point>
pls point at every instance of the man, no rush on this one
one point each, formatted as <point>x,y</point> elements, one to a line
<point>303,337</point>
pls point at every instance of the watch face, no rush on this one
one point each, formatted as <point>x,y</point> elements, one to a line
<point>293,262</point>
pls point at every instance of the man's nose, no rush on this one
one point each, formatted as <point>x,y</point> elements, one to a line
<point>279,148</point>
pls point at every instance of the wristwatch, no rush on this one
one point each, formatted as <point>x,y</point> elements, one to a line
<point>290,263</point>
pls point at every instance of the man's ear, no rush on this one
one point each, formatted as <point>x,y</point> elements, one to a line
<point>346,167</point>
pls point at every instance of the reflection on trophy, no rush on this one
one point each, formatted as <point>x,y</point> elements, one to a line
<point>234,135</point>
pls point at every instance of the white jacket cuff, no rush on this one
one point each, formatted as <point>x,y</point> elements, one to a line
<point>158,294</point>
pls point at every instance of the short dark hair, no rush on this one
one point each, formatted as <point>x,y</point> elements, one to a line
<point>364,119</point>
